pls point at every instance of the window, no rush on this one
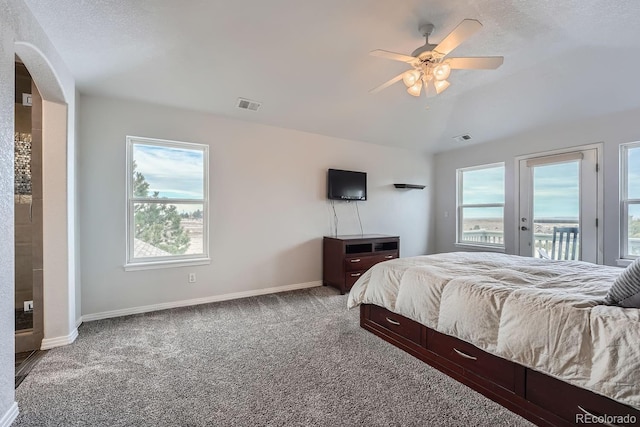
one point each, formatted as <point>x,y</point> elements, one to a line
<point>167,203</point>
<point>481,205</point>
<point>630,200</point>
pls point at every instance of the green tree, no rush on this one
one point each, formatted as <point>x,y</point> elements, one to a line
<point>157,223</point>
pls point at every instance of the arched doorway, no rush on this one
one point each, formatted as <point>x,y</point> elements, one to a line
<point>58,172</point>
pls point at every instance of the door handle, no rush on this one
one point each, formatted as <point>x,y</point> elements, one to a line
<point>523,228</point>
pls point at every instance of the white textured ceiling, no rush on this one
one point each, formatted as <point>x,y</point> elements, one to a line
<point>308,63</point>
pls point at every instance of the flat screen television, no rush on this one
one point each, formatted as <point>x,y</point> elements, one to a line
<point>346,185</point>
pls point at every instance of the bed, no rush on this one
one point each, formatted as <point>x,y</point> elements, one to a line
<point>531,334</point>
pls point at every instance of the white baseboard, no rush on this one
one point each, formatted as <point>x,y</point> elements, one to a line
<point>10,416</point>
<point>196,301</point>
<point>49,343</point>
<point>79,322</point>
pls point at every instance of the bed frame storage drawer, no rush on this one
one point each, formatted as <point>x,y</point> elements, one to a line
<point>542,399</point>
<point>471,358</point>
<point>396,323</point>
<point>575,404</point>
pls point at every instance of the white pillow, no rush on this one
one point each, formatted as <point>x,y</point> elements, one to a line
<point>625,290</point>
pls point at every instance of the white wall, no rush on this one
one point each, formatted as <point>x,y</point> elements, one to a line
<point>267,196</point>
<point>20,33</point>
<point>611,130</point>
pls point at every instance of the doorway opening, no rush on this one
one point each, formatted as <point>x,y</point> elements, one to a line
<point>28,219</point>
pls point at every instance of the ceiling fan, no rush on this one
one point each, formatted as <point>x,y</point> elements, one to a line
<point>431,67</point>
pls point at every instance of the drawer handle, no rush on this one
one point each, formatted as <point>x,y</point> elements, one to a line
<point>465,355</point>
<point>355,274</point>
<point>355,260</point>
<point>389,256</point>
<point>393,322</point>
<point>595,416</point>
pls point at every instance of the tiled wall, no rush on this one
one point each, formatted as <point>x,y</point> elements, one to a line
<point>22,165</point>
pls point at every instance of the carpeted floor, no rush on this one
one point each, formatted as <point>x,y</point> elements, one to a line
<point>291,359</point>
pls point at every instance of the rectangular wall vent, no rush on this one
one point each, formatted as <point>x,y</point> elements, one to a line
<point>462,138</point>
<point>247,104</point>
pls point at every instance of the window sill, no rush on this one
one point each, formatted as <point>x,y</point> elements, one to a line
<point>484,248</point>
<point>166,264</point>
<point>623,262</point>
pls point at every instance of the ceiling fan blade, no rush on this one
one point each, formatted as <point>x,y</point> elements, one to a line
<point>480,63</point>
<point>463,31</point>
<point>392,55</point>
<point>387,84</point>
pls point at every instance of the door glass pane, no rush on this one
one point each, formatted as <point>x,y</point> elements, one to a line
<point>556,206</point>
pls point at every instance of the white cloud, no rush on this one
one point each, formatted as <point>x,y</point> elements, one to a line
<point>173,172</point>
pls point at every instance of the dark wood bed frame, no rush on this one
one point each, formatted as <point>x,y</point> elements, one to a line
<point>544,400</point>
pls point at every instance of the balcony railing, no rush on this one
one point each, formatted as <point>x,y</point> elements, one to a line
<point>540,240</point>
<point>634,246</point>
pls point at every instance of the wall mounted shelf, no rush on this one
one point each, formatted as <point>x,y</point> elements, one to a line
<point>414,186</point>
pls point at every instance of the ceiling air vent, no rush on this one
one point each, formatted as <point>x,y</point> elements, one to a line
<point>247,104</point>
<point>462,138</point>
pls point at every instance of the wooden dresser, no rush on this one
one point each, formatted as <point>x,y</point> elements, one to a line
<point>346,257</point>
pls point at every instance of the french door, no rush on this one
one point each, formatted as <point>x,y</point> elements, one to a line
<point>559,191</point>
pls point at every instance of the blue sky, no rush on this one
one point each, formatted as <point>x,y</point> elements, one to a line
<point>173,172</point>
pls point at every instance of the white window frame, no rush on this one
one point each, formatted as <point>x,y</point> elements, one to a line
<point>460,206</point>
<point>132,263</point>
<point>625,202</point>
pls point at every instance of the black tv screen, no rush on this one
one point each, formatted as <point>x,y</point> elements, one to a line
<point>346,185</point>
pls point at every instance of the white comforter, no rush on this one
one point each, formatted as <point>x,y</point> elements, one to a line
<point>542,314</point>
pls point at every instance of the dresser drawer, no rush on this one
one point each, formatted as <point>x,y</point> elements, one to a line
<point>351,277</point>
<point>470,357</point>
<point>575,404</point>
<point>357,263</point>
<point>396,323</point>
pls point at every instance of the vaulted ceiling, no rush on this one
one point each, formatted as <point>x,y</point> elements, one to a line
<point>308,62</point>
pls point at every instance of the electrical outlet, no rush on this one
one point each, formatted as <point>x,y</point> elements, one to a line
<point>192,277</point>
<point>28,306</point>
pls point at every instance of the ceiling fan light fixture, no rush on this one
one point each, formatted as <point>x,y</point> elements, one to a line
<point>442,71</point>
<point>441,85</point>
<point>410,78</point>
<point>430,65</point>
<point>415,89</point>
